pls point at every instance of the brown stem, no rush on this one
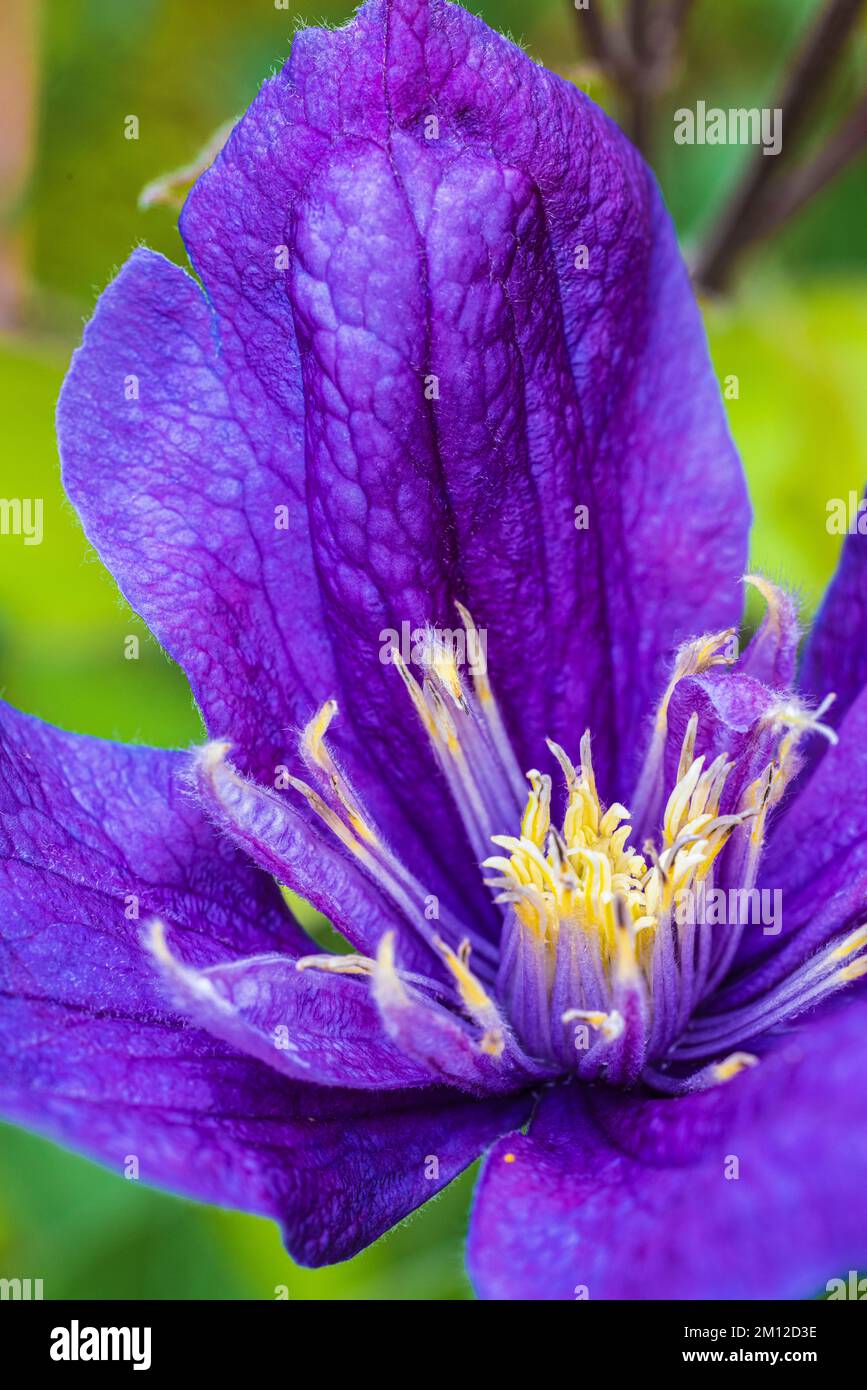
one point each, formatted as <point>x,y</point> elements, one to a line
<point>604,42</point>
<point>680,12</point>
<point>641,87</point>
<point>669,25</point>
<point>747,210</point>
<point>637,59</point>
<point>804,183</point>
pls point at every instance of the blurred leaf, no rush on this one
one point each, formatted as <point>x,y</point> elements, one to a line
<point>63,623</point>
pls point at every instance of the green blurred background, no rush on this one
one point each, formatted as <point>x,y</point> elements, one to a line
<point>71,71</point>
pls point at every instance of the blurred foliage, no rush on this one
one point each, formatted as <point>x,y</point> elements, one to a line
<point>795,336</point>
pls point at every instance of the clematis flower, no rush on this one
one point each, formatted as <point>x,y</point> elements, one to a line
<point>441,371</point>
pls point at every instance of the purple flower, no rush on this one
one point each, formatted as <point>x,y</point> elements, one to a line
<point>446,378</point>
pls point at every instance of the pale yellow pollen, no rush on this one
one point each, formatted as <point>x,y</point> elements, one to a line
<point>693,658</point>
<point>338,965</point>
<point>508,1158</point>
<point>156,940</point>
<point>687,749</point>
<point>611,1025</point>
<point>734,1065</point>
<point>214,754</point>
<point>492,1042</point>
<point>595,1017</point>
<point>760,796</point>
<point>441,659</point>
<point>625,960</point>
<point>679,802</point>
<point>569,773</point>
<point>481,684</point>
<point>587,765</point>
<point>388,987</point>
<point>767,790</point>
<point>579,872</point>
<point>444,723</point>
<point>324,811</point>
<point>798,720</point>
<point>212,759</point>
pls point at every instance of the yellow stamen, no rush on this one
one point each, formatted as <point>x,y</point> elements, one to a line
<point>734,1065</point>
<point>471,991</point>
<point>850,944</point>
<point>313,746</point>
<point>589,876</point>
<point>537,817</point>
<point>314,735</point>
<point>422,708</point>
<point>798,721</point>
<point>854,971</point>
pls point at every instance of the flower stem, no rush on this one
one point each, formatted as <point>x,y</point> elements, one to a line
<point>640,58</point>
<point>804,183</point>
<point>751,208</point>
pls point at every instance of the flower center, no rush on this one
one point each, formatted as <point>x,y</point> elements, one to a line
<point>580,874</point>
<point>586,905</point>
<point>605,951</point>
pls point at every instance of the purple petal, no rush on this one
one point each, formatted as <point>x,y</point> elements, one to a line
<point>732,709</point>
<point>95,1058</point>
<point>337,1169</point>
<point>96,832</point>
<point>817,860</point>
<point>177,488</point>
<point>268,825</point>
<point>628,1198</point>
<point>95,839</point>
<point>835,656</point>
<point>772,655</point>
<point>457,1052</point>
<point>318,1027</point>
<point>558,387</point>
<point>354,1177</point>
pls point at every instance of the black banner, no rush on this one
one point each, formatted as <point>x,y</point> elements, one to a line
<point>66,1338</point>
